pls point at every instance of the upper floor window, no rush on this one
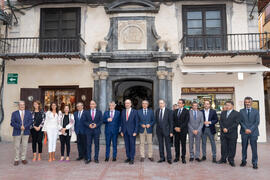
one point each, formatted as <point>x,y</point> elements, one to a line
<point>204,26</point>
<point>267,13</point>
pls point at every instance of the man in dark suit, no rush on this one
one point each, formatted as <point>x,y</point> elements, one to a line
<point>209,129</point>
<point>164,130</point>
<point>229,121</point>
<point>129,129</point>
<point>146,123</point>
<point>180,124</point>
<point>21,120</point>
<point>250,120</point>
<point>80,132</point>
<point>111,119</point>
<point>92,120</point>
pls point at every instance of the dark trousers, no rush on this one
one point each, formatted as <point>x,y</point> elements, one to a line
<point>111,138</point>
<point>180,138</point>
<point>37,137</point>
<point>246,138</point>
<point>90,137</point>
<point>81,145</point>
<point>167,140</point>
<point>228,148</point>
<point>130,144</point>
<point>65,141</point>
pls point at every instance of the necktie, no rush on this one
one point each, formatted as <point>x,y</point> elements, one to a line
<point>22,117</point>
<point>179,113</point>
<point>145,112</point>
<point>93,115</point>
<point>79,115</point>
<point>111,116</point>
<point>127,115</point>
<point>195,115</point>
<point>248,112</point>
<point>160,115</point>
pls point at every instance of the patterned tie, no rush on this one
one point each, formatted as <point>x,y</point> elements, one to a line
<point>111,116</point>
<point>93,115</point>
<point>179,113</point>
<point>145,112</point>
<point>127,115</point>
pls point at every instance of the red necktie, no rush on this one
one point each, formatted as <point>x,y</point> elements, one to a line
<point>127,115</point>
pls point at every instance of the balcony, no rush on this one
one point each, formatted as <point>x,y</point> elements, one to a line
<point>225,45</point>
<point>37,47</point>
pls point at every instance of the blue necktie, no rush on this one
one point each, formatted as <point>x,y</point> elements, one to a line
<point>195,115</point>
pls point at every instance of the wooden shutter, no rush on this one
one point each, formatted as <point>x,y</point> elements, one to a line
<point>29,95</point>
<point>84,95</point>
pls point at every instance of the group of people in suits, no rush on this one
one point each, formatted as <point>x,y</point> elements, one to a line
<point>197,124</point>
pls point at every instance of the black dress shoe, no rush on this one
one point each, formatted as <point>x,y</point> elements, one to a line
<point>221,162</point>
<point>96,161</point>
<point>203,158</point>
<point>232,164</point>
<point>106,159</point>
<point>184,161</point>
<point>198,159</point>
<point>191,159</point>
<point>79,158</point>
<point>127,160</point>
<point>151,159</point>
<point>161,161</point>
<point>87,161</point>
<point>243,164</point>
<point>114,159</point>
<point>170,161</point>
<point>131,162</point>
<point>142,160</point>
<point>175,160</point>
<point>255,166</point>
<point>214,160</point>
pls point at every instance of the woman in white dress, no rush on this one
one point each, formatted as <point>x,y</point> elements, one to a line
<point>51,129</point>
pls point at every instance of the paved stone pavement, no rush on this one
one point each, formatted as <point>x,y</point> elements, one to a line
<point>73,170</point>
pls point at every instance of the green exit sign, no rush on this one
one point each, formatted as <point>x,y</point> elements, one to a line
<point>12,78</point>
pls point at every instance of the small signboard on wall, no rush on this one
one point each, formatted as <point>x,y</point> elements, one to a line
<point>12,78</point>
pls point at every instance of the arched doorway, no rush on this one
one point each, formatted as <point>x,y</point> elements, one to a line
<point>135,89</point>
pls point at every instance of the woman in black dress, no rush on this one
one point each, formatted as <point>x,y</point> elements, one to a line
<point>36,130</point>
<point>65,127</point>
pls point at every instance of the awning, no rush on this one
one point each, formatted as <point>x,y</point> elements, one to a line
<point>235,68</point>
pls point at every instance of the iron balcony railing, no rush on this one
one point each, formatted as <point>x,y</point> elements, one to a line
<point>42,47</point>
<point>231,44</point>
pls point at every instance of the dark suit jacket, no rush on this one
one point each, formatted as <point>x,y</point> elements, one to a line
<point>213,118</point>
<point>79,126</point>
<point>149,119</point>
<point>131,125</point>
<point>166,125</point>
<point>251,123</point>
<point>231,123</point>
<point>182,121</point>
<point>16,122</point>
<point>87,120</point>
<point>112,127</point>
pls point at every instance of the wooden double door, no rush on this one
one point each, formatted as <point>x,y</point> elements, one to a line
<point>61,95</point>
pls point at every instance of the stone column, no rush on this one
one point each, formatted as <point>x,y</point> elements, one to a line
<point>96,87</point>
<point>162,75</point>
<point>169,90</point>
<point>102,90</point>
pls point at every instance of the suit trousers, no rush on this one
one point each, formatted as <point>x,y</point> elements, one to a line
<point>246,138</point>
<point>228,148</point>
<point>149,142</point>
<point>197,139</point>
<point>207,133</point>
<point>21,140</point>
<point>130,144</point>
<point>180,138</point>
<point>81,145</point>
<point>161,139</point>
<point>90,137</point>
<point>111,138</point>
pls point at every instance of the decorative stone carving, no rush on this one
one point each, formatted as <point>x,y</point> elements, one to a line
<point>162,74</point>
<point>103,75</point>
<point>170,76</point>
<point>100,46</point>
<point>132,34</point>
<point>95,76</point>
<point>161,45</point>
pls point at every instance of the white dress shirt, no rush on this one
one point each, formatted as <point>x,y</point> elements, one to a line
<point>206,115</point>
